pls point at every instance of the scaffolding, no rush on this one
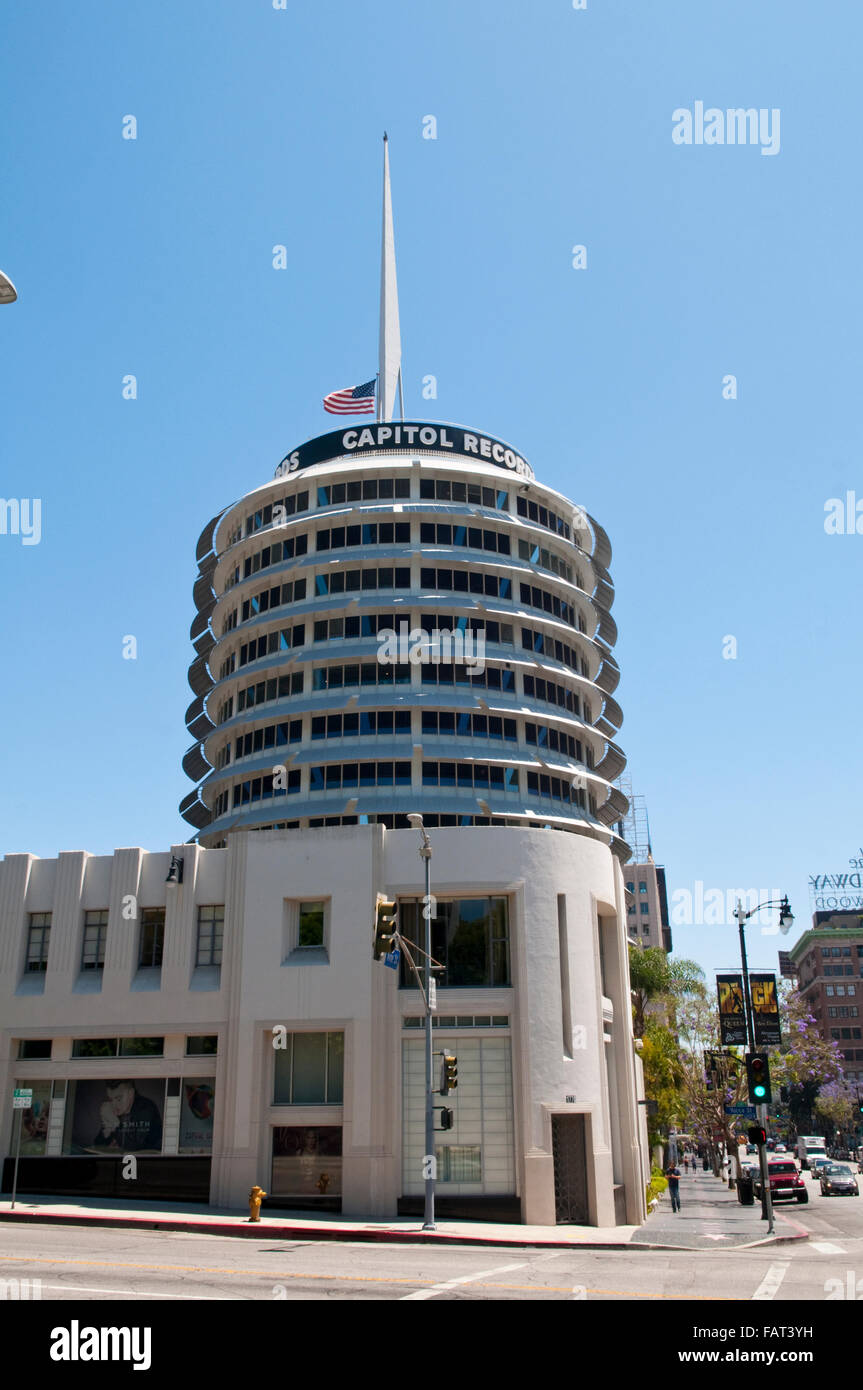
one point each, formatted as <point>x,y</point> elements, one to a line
<point>634,828</point>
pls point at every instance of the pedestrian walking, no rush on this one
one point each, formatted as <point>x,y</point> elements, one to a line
<point>686,1163</point>
<point>705,1163</point>
<point>673,1176</point>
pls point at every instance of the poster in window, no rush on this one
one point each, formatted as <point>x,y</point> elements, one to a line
<point>765,1010</point>
<point>307,1161</point>
<point>196,1114</point>
<point>34,1122</point>
<point>732,1009</point>
<point>116,1116</point>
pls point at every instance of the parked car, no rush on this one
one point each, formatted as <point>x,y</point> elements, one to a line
<point>786,1183</point>
<point>837,1179</point>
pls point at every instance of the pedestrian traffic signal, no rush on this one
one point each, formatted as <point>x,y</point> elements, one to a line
<point>448,1074</point>
<point>446,1118</point>
<point>386,925</point>
<point>757,1135</point>
<point>758,1078</point>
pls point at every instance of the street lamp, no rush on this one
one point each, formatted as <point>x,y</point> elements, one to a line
<point>8,292</point>
<point>786,917</point>
<point>416,821</point>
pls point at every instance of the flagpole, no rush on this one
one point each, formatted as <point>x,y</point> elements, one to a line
<point>390,344</point>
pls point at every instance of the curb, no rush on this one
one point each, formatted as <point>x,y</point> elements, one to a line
<point>263,1231</point>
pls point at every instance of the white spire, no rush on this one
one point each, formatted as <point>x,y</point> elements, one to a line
<point>390,347</point>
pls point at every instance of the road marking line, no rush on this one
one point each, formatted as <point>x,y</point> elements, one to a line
<point>826,1247</point>
<point>769,1286</point>
<point>465,1279</point>
<point>133,1293</point>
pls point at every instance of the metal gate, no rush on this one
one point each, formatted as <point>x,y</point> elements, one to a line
<point>570,1169</point>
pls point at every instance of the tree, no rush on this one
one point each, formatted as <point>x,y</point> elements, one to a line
<point>806,1062</point>
<point>654,976</point>
<point>663,1075</point>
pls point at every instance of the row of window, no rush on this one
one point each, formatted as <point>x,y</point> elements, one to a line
<point>445,490</point>
<point>201,1045</point>
<point>548,560</point>
<point>543,644</point>
<point>544,515</point>
<point>371,533</point>
<point>553,694</point>
<point>847,1033</point>
<point>364,490</point>
<point>388,773</point>
<point>398,821</point>
<point>371,673</point>
<point>845,1011</point>
<point>363,533</point>
<point>396,723</point>
<point>290,505</point>
<point>468,537</point>
<point>840,990</point>
<point>208,951</point>
<point>835,970</point>
<point>385,489</point>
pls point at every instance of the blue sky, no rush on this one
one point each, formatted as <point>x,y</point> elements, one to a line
<point>258,126</point>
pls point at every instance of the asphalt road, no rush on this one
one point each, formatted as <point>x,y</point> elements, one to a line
<point>83,1264</point>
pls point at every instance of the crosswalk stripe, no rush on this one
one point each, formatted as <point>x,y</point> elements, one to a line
<point>769,1285</point>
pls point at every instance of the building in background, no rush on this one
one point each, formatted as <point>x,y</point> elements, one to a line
<point>828,960</point>
<point>646,893</point>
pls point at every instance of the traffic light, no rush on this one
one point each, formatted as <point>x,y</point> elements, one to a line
<point>758,1078</point>
<point>446,1118</point>
<point>784,1094</point>
<point>448,1073</point>
<point>386,925</point>
<point>757,1135</point>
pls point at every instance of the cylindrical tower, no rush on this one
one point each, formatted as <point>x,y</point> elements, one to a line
<point>404,619</point>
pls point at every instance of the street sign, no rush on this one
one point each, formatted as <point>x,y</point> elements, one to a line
<point>22,1100</point>
<point>747,1111</point>
<point>432,995</point>
<point>392,959</point>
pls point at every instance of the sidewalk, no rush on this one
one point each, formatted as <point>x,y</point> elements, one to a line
<point>707,1207</point>
<point>711,1217</point>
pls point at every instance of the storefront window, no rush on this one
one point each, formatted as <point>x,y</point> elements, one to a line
<point>470,938</point>
<point>307,1163</point>
<point>309,1069</point>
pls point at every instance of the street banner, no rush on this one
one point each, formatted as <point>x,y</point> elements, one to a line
<point>732,1010</point>
<point>765,1010</point>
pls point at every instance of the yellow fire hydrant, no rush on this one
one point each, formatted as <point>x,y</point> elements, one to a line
<point>255,1196</point>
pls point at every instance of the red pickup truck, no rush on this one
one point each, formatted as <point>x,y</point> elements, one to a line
<point>786,1183</point>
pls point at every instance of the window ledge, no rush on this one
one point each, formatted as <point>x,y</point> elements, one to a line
<point>88,982</point>
<point>147,978</point>
<point>206,977</point>
<point>308,955</point>
<point>32,982</point>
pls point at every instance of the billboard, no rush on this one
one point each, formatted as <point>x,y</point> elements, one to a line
<point>196,1115</point>
<point>732,1010</point>
<point>115,1117</point>
<point>34,1122</point>
<point>765,1010</point>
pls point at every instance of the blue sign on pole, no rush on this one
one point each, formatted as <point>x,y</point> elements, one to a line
<point>747,1111</point>
<point>392,959</point>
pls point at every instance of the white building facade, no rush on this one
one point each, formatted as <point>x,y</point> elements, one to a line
<point>215,1013</point>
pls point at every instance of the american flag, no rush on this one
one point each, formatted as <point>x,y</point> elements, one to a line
<point>354,400</point>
